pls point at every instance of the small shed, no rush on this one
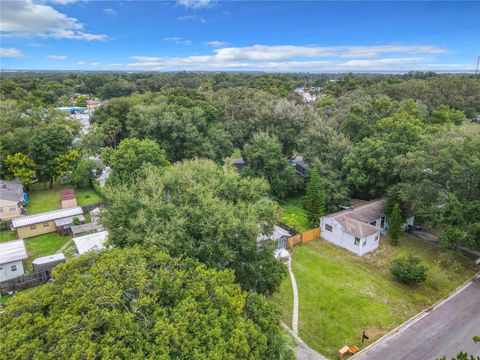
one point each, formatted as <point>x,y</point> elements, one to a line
<point>86,228</point>
<point>95,241</point>
<point>279,235</point>
<point>68,198</point>
<point>48,262</point>
<point>239,164</point>
<point>64,225</point>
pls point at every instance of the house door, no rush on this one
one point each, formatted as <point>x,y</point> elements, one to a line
<point>282,242</point>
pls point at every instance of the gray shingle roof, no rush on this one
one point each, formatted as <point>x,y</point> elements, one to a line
<point>12,251</point>
<point>277,234</point>
<point>46,216</point>
<point>11,190</point>
<point>356,220</point>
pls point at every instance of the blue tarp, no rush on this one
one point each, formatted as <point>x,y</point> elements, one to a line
<point>25,198</point>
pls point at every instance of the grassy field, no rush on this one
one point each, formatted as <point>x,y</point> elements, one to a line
<point>294,215</point>
<point>342,295</point>
<point>7,235</point>
<point>27,292</point>
<point>237,153</point>
<point>43,245</point>
<point>41,200</point>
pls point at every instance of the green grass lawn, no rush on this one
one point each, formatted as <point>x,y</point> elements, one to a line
<point>87,196</point>
<point>43,245</point>
<point>237,153</point>
<point>7,235</point>
<point>41,200</point>
<point>6,299</point>
<point>294,215</point>
<point>342,295</point>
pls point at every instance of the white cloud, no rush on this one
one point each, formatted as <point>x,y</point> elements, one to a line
<point>34,44</point>
<point>94,63</point>
<point>115,65</point>
<point>215,43</point>
<point>57,57</point>
<point>80,62</point>
<point>303,58</point>
<point>178,40</point>
<point>10,52</point>
<point>110,12</point>
<point>64,2</point>
<point>195,4</point>
<point>285,52</point>
<point>21,17</point>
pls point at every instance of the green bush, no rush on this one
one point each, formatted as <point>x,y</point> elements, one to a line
<point>451,238</point>
<point>409,269</point>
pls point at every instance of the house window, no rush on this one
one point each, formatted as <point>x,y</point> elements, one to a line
<point>45,224</point>
<point>374,223</point>
<point>328,227</point>
<point>357,241</point>
<point>13,268</point>
<point>32,227</point>
<point>364,242</point>
<point>376,237</point>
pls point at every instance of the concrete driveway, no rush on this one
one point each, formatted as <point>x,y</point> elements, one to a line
<point>445,331</point>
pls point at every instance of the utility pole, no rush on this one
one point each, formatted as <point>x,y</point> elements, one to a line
<point>478,63</point>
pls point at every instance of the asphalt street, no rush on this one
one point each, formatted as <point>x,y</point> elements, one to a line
<point>445,331</point>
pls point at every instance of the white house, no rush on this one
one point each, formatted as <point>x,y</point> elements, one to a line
<point>356,229</point>
<point>95,241</point>
<point>279,235</point>
<point>12,254</point>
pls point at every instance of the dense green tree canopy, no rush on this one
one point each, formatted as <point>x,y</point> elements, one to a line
<point>264,159</point>
<point>131,156</point>
<point>200,210</point>
<point>138,304</point>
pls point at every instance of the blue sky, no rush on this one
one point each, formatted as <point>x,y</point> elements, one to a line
<point>211,35</point>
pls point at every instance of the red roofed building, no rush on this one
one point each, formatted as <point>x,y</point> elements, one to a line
<point>68,198</point>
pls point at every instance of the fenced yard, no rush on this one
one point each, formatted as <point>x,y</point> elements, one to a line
<point>294,215</point>
<point>41,199</point>
<point>24,282</point>
<point>341,294</point>
<point>303,238</point>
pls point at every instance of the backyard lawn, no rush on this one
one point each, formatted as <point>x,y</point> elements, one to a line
<point>7,235</point>
<point>43,245</point>
<point>342,295</point>
<point>294,215</point>
<point>41,200</point>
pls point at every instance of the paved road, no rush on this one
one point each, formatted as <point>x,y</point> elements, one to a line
<point>447,330</point>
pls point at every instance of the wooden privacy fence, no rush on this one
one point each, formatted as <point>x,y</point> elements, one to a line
<point>24,281</point>
<point>304,237</point>
<point>93,206</point>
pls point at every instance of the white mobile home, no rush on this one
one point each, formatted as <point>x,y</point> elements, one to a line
<point>12,254</point>
<point>356,229</point>
<point>95,241</point>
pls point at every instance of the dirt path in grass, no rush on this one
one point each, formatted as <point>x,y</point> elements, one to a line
<point>64,246</point>
<point>295,296</point>
<point>302,351</point>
